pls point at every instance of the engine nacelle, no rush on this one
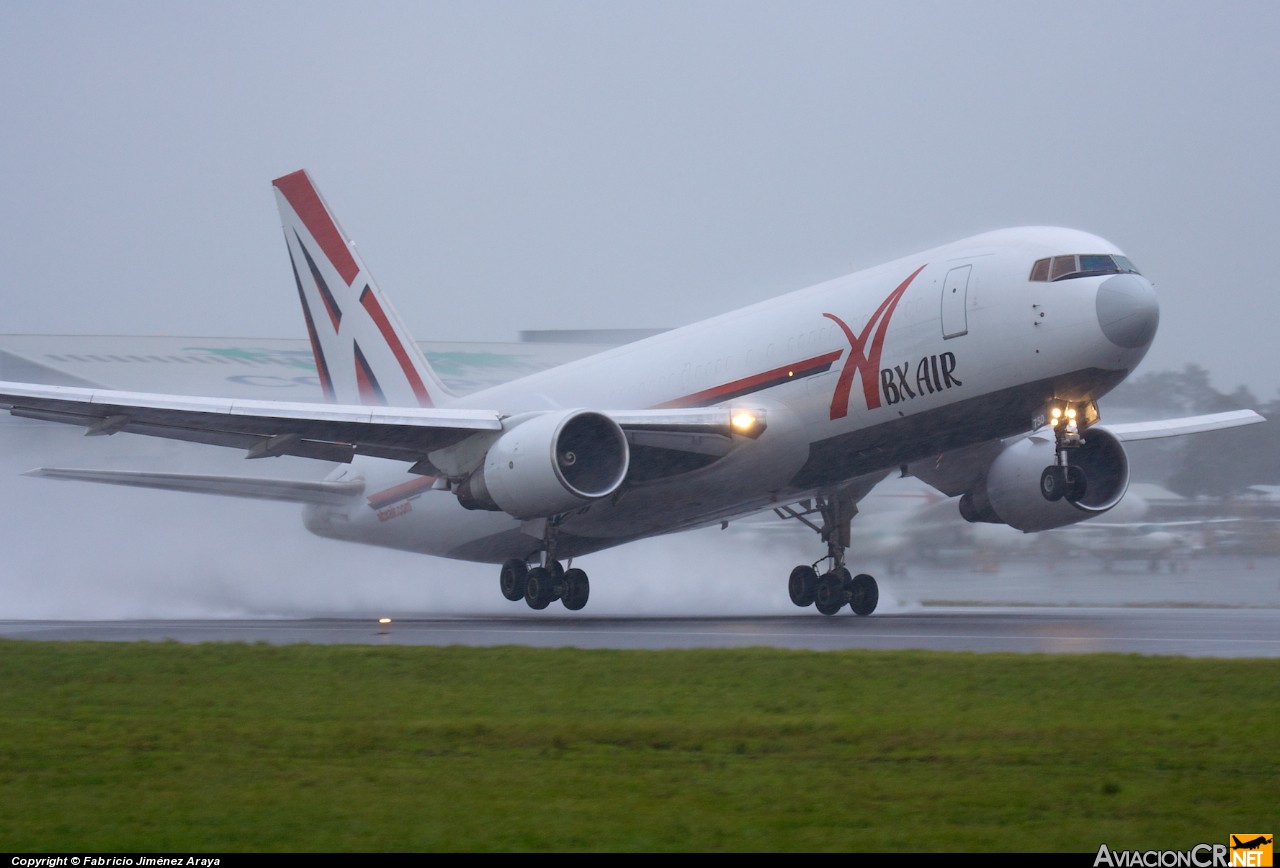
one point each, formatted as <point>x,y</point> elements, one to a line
<point>1011,495</point>
<point>548,464</point>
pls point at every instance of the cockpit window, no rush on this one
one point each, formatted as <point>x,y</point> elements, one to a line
<point>1097,264</point>
<point>1082,265</point>
<point>1063,266</point>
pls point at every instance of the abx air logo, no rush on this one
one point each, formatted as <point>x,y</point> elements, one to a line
<point>1251,851</point>
<point>896,382</point>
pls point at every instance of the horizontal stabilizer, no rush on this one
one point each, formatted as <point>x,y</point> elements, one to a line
<point>1186,425</point>
<point>288,490</point>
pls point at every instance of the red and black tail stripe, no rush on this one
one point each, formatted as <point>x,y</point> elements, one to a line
<point>403,491</point>
<point>366,382</point>
<point>326,382</point>
<point>330,303</point>
<point>306,203</point>
<point>369,302</point>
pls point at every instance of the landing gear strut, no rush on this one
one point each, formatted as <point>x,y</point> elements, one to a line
<point>830,591</point>
<point>541,585</point>
<point>1063,479</point>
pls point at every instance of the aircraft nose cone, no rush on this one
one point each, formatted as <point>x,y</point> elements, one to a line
<point>1128,310</point>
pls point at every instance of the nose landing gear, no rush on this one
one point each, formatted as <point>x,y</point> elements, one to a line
<point>1063,480</point>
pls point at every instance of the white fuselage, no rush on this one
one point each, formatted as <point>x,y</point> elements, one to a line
<point>858,375</point>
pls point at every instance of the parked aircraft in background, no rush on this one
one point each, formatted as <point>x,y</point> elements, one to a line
<point>975,367</point>
<point>904,521</point>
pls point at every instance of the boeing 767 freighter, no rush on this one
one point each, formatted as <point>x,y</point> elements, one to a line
<point>976,366</point>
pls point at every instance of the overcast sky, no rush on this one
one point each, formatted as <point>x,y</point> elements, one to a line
<point>520,165</point>
<point>514,165</point>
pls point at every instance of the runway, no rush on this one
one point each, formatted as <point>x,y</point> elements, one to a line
<point>1160,631</point>
<point>1211,607</point>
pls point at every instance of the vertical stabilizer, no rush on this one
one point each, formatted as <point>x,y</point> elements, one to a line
<point>363,353</point>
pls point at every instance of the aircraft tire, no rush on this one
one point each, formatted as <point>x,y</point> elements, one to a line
<point>829,596</point>
<point>576,589</point>
<point>512,579</point>
<point>864,594</point>
<point>802,585</point>
<point>538,591</point>
<point>1053,483</point>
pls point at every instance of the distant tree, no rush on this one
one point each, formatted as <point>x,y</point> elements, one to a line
<point>1186,392</point>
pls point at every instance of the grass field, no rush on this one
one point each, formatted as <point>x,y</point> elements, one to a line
<point>215,748</point>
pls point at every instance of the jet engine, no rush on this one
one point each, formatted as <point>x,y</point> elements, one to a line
<point>548,464</point>
<point>1010,493</point>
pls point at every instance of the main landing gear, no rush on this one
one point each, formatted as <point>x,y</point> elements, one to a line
<point>1061,479</point>
<point>830,591</point>
<point>542,585</point>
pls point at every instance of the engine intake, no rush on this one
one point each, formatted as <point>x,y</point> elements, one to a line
<point>1010,493</point>
<point>548,464</point>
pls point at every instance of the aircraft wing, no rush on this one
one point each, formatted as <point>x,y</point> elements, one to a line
<point>331,432</point>
<point>326,493</point>
<point>1161,525</point>
<point>1185,425</point>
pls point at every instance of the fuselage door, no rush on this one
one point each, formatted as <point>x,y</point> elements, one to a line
<point>955,295</point>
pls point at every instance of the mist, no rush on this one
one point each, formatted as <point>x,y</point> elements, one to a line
<point>81,551</point>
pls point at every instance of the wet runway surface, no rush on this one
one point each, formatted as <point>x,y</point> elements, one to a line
<point>1212,607</point>
<point>1023,629</point>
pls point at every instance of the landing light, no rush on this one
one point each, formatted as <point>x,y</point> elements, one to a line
<point>748,423</point>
